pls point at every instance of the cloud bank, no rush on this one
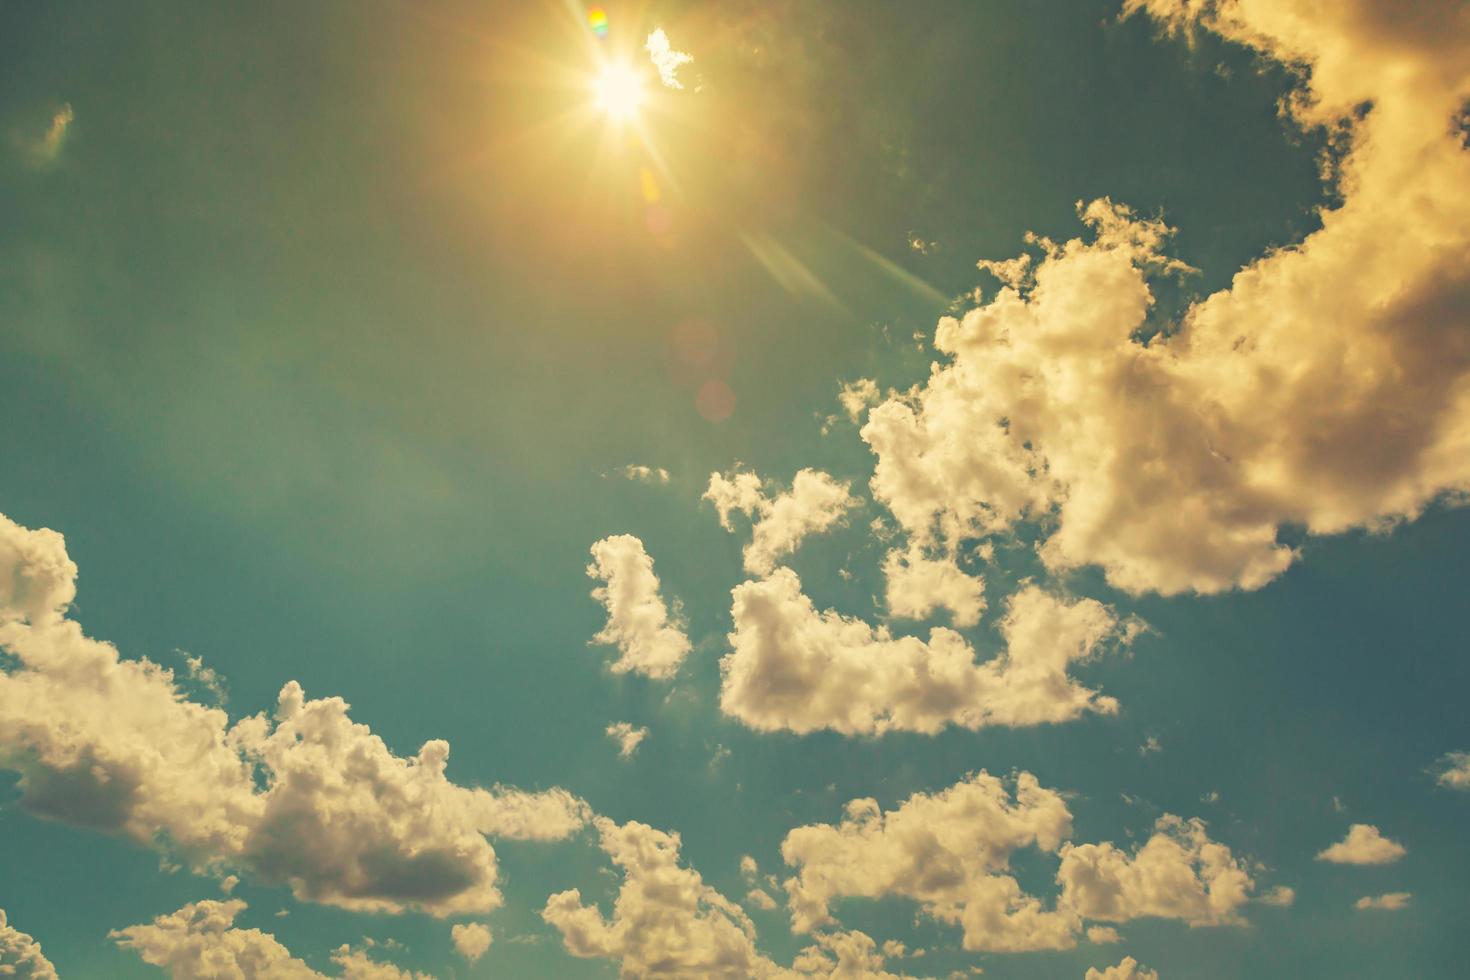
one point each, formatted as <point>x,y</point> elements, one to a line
<point>304,797</point>
<point>1328,387</point>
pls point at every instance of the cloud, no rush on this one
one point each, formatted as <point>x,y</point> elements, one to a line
<point>761,899</point>
<point>917,585</point>
<point>665,58</point>
<point>795,669</point>
<point>471,940</point>
<point>815,503</point>
<point>639,473</point>
<point>1454,771</point>
<point>1178,873</point>
<point>1128,969</point>
<point>1392,902</point>
<point>856,396</point>
<point>950,852</point>
<point>1281,896</point>
<point>1328,387</point>
<point>1103,935</point>
<point>668,923</point>
<point>305,797</point>
<point>41,152</point>
<point>1363,845</point>
<point>200,942</point>
<point>21,956</point>
<point>627,736</point>
<point>650,641</point>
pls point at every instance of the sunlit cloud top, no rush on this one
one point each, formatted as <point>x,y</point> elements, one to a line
<point>666,59</point>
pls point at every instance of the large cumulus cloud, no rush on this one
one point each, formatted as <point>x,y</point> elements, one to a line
<point>951,853</point>
<point>305,796</point>
<point>1328,387</point>
<point>794,668</point>
<point>668,924</point>
<point>201,942</point>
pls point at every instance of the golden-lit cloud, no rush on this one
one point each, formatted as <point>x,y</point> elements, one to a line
<point>666,59</point>
<point>649,637</point>
<point>304,796</point>
<point>1327,387</point>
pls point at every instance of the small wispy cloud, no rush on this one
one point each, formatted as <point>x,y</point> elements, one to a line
<point>42,151</point>
<point>666,59</point>
<point>644,474</point>
<point>1391,902</point>
<point>627,736</point>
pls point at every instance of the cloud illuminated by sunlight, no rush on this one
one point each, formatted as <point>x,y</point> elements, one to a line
<point>666,59</point>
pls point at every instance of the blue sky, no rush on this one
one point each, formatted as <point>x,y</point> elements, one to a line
<point>1047,618</point>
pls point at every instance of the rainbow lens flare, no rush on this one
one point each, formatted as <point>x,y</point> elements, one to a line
<point>597,20</point>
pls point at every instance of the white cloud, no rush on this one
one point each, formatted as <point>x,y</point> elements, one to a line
<point>1281,896</point>
<point>471,940</point>
<point>639,473</point>
<point>20,955</point>
<point>1454,771</point>
<point>649,639</point>
<point>665,58</point>
<point>1178,873</point>
<point>1327,387</point>
<point>1103,935</point>
<point>949,852</point>
<point>306,798</point>
<point>1128,969</point>
<point>917,585</point>
<point>856,396</point>
<point>815,503</point>
<point>668,923</point>
<point>760,899</point>
<point>200,942</point>
<point>1363,845</point>
<point>627,736</point>
<point>1391,902</point>
<point>795,669</point>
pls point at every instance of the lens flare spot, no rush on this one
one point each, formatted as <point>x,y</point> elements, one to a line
<point>597,20</point>
<point>715,401</point>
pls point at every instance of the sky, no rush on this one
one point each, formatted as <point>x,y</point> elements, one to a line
<point>749,490</point>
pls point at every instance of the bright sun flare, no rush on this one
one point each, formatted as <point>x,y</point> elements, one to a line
<point>618,91</point>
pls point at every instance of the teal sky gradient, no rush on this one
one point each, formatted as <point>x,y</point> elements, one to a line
<point>324,357</point>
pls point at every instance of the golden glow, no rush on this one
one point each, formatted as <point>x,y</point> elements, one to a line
<point>618,91</point>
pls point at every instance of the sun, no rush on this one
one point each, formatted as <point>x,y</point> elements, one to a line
<point>618,91</point>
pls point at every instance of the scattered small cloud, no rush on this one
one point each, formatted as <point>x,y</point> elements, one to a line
<point>42,151</point>
<point>639,473</point>
<point>666,59</point>
<point>649,636</point>
<point>1281,896</point>
<point>759,898</point>
<point>1453,771</point>
<point>856,396</point>
<point>1364,844</point>
<point>471,940</point>
<point>1103,935</point>
<point>627,736</point>
<point>1391,902</point>
<point>1150,746</point>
